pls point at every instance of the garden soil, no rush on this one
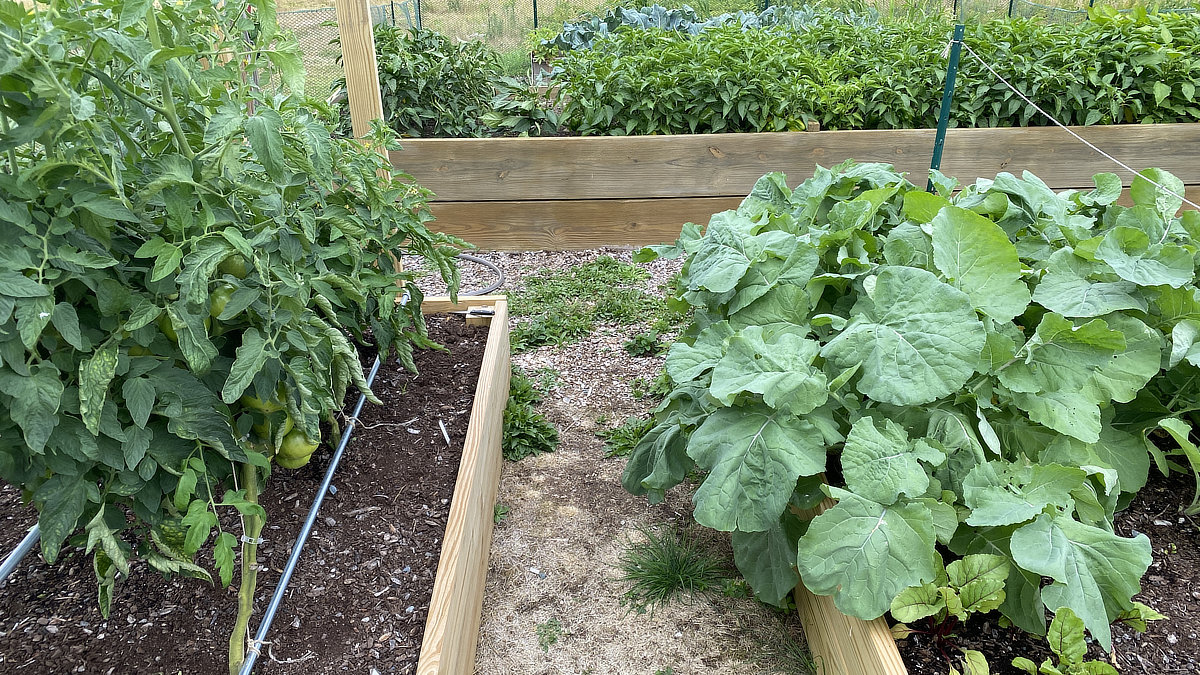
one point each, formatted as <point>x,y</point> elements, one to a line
<point>358,600</point>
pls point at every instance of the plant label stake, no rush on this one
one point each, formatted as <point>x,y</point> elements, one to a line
<point>947,97</point>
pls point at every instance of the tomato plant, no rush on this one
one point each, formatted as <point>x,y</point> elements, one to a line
<point>188,254</point>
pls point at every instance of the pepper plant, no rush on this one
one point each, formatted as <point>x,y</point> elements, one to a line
<point>188,259</point>
<point>976,373</point>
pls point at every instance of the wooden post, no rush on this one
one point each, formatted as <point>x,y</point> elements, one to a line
<point>358,60</point>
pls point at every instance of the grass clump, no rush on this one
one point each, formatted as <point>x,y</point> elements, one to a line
<point>644,344</point>
<point>667,564</point>
<point>619,441</point>
<point>527,432</point>
<point>562,306</point>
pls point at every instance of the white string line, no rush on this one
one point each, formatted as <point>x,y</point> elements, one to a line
<point>1067,129</point>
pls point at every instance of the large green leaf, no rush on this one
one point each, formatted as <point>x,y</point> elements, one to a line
<point>920,342</point>
<point>1121,377</point>
<point>1076,287</point>
<point>728,249</point>
<point>768,559</point>
<point>881,464</point>
<point>659,461</point>
<point>976,257</point>
<point>687,362</point>
<point>251,355</point>
<point>754,456</point>
<point>35,402</point>
<point>980,580</point>
<point>775,362</point>
<point>95,374</point>
<point>864,554</point>
<point>1007,493</point>
<point>60,501</point>
<point>1094,572</point>
<point>1132,256</point>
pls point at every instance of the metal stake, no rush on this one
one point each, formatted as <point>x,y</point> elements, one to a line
<point>947,98</point>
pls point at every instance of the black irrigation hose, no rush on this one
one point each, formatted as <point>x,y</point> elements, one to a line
<point>293,560</point>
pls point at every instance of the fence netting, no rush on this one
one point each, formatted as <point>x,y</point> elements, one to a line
<point>514,27</point>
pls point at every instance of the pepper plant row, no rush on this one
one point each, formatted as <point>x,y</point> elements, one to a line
<point>1117,68</point>
<point>977,373</point>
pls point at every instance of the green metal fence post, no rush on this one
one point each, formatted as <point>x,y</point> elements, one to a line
<point>535,18</point>
<point>947,98</point>
<point>1010,8</point>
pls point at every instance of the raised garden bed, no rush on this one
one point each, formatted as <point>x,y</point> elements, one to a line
<point>361,591</point>
<point>516,194</point>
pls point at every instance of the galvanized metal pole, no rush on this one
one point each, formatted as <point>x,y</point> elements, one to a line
<point>947,99</point>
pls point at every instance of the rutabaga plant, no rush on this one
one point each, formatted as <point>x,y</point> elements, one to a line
<point>978,372</point>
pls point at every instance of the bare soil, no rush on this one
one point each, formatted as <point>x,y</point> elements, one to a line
<point>356,603</point>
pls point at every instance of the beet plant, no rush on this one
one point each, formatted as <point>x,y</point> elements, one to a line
<point>976,374</point>
<point>188,259</point>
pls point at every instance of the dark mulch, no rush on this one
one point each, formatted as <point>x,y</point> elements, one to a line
<point>359,597</point>
<point>1172,586</point>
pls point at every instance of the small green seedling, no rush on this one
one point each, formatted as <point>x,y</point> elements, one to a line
<point>972,585</point>
<point>548,633</point>
<point>1066,641</point>
<point>499,513</point>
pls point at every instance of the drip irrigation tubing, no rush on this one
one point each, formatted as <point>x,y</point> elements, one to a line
<point>264,627</point>
<point>18,553</point>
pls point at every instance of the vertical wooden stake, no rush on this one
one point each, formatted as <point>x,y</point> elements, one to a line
<point>358,60</point>
<point>362,76</point>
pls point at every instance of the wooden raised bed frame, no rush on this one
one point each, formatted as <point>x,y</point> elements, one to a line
<point>452,628</point>
<point>520,194</point>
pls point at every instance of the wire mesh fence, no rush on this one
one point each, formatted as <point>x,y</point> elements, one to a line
<point>511,26</point>
<point>317,32</point>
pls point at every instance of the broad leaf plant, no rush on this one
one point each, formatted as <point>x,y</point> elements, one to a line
<point>188,259</point>
<point>976,374</point>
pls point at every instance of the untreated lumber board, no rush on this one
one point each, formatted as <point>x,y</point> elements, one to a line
<point>358,60</point>
<point>573,225</point>
<point>435,304</point>
<point>715,165</point>
<point>452,629</point>
<point>583,224</point>
<point>845,645</point>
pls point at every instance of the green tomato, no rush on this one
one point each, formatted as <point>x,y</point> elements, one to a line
<point>220,298</point>
<point>296,446</point>
<point>235,265</point>
<point>255,403</point>
<point>168,329</point>
<point>291,463</point>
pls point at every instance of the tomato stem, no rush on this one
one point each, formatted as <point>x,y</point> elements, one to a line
<point>253,525</point>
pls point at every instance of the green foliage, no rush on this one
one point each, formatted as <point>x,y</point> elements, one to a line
<point>1116,68</point>
<point>520,110</point>
<point>644,344</point>
<point>562,306</point>
<point>982,372</point>
<point>687,21</point>
<point>187,257</point>
<point>666,564</point>
<point>972,585</point>
<point>619,441</point>
<point>548,633</point>
<point>432,85</point>
<point>499,513</point>
<point>1066,642</point>
<point>526,431</point>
